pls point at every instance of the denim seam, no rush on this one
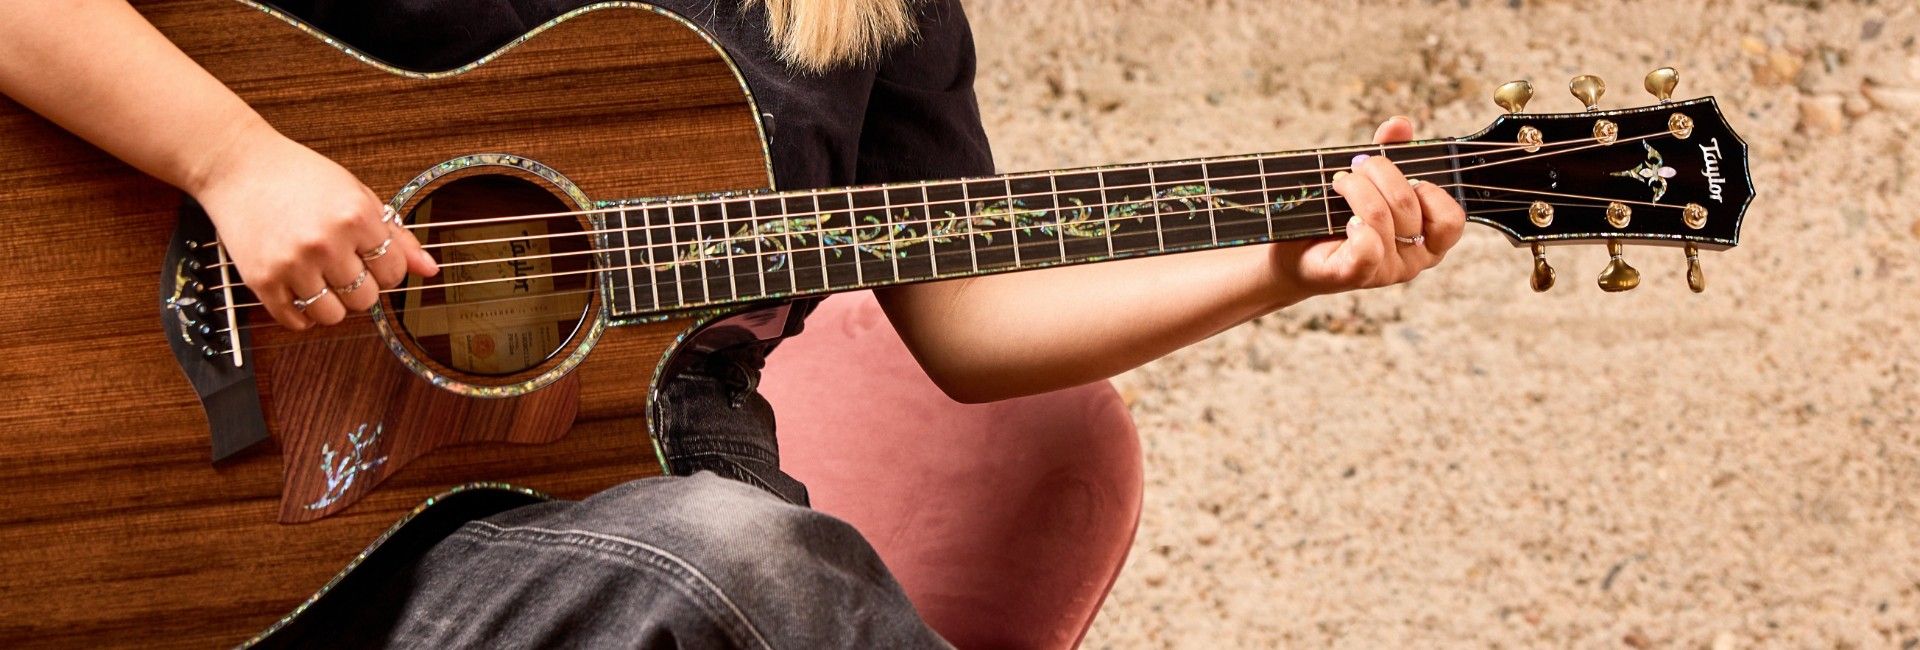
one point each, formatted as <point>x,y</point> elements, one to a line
<point>680,563</point>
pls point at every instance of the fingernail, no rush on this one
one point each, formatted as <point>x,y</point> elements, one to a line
<point>1359,159</point>
<point>1339,175</point>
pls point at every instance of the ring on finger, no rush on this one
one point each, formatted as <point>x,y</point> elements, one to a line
<point>301,304</point>
<point>389,215</point>
<point>1415,240</point>
<point>376,252</point>
<point>350,287</point>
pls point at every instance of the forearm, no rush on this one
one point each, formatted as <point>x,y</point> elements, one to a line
<point>98,69</point>
<point>1005,336</point>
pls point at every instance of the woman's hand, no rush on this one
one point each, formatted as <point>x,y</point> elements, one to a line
<point>298,225</point>
<point>1385,205</point>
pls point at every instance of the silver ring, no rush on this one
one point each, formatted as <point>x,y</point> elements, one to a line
<point>301,304</point>
<point>377,252</point>
<point>1415,240</point>
<point>355,284</point>
<point>388,215</point>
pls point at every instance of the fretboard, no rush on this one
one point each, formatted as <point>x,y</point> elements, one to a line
<point>694,252</point>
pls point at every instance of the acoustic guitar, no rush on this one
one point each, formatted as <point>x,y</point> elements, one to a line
<point>179,471</point>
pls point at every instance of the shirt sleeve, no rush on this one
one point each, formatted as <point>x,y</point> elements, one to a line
<point>923,121</point>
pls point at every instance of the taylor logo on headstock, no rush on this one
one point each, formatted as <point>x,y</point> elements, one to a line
<point>1710,167</point>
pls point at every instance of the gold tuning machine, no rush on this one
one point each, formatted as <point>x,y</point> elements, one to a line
<point>1588,89</point>
<point>1542,279</point>
<point>1618,276</point>
<point>1696,280</point>
<point>1662,82</point>
<point>1513,96</point>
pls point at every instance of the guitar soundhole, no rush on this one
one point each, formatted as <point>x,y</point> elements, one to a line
<point>512,292</point>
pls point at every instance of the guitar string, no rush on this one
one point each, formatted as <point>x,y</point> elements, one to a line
<point>830,290</point>
<point>1289,235</point>
<point>727,221</point>
<point>730,239</point>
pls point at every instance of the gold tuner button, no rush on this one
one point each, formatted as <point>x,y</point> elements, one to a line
<point>1618,276</point>
<point>1531,138</point>
<point>1694,215</point>
<point>1513,96</point>
<point>1588,89</point>
<point>1606,132</point>
<point>1542,279</point>
<point>1662,82</point>
<point>1680,126</point>
<point>1618,214</point>
<point>1696,280</point>
<point>1541,212</point>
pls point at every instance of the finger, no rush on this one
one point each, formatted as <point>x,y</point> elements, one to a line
<point>1371,208</point>
<point>389,266</point>
<point>408,248</point>
<point>1396,129</point>
<point>1399,195</point>
<point>1444,219</point>
<point>274,297</point>
<point>324,308</point>
<point>352,282</point>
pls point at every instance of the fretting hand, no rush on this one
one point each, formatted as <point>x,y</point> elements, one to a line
<point>1399,228</point>
<point>301,229</point>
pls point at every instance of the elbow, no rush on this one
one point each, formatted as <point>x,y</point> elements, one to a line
<point>967,387</point>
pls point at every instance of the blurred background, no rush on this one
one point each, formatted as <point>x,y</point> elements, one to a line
<point>1462,461</point>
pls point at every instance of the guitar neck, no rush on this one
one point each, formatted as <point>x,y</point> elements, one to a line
<point>695,252</point>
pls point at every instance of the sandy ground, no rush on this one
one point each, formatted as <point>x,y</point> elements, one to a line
<point>1462,462</point>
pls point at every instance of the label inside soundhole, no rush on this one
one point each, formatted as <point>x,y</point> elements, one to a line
<point>511,292</point>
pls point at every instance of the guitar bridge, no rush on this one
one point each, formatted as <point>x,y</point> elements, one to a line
<point>197,294</point>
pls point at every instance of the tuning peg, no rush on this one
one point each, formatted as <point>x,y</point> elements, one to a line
<point>1696,280</point>
<point>1588,89</point>
<point>1513,96</point>
<point>1618,276</point>
<point>1662,82</point>
<point>1542,279</point>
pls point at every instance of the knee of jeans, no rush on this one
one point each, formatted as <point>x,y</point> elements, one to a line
<point>760,528</point>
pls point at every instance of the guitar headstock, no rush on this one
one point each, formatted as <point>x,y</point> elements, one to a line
<point>1672,173</point>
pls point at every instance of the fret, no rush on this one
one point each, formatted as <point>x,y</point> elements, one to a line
<point>770,215</point>
<point>1033,220</point>
<point>1153,196</point>
<point>686,230</point>
<point>1207,202</point>
<point>912,251</point>
<point>1110,222</point>
<point>1059,215</point>
<point>625,262</point>
<point>971,211</point>
<point>1268,202</point>
<point>807,255</point>
<point>951,240</point>
<point>873,235</point>
<point>1183,196</point>
<point>742,249</point>
<point>754,233</point>
<point>1084,216</point>
<point>1239,208</point>
<point>990,204</point>
<point>666,271</point>
<point>1128,193</point>
<point>842,255</point>
<point>716,252</point>
<point>1326,190</point>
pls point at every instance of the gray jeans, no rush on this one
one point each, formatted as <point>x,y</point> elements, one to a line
<point>670,562</point>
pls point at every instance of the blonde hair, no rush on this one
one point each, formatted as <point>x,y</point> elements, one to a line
<point>815,35</point>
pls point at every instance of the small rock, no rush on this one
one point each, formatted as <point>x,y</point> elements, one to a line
<point>1725,641</point>
<point>1916,229</point>
<point>1856,106</point>
<point>1637,639</point>
<point>1822,115</point>
<point>1904,101</point>
<point>1868,31</point>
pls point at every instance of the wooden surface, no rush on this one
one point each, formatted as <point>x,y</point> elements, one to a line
<point>116,528</point>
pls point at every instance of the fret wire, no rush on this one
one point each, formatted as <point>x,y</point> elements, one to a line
<point>853,238</point>
<point>886,213</point>
<point>673,247</point>
<point>966,212</point>
<point>759,262</point>
<point>933,254</point>
<point>733,282</point>
<point>786,231</point>
<point>706,295</point>
<point>653,281</point>
<point>1106,228</point>
<point>1013,234</point>
<point>1153,198</point>
<point>1266,197</point>
<point>1059,233</point>
<point>820,229</point>
<point>1206,182</point>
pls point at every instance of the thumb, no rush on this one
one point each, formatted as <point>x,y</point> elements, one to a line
<point>1395,129</point>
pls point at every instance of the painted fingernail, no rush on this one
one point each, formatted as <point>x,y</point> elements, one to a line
<point>1339,175</point>
<point>1414,182</point>
<point>1360,159</point>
